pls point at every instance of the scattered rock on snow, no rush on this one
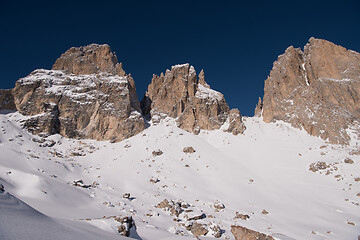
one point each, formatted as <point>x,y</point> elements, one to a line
<point>241,216</point>
<point>164,204</point>
<point>348,160</point>
<point>318,166</point>
<point>154,180</point>
<point>126,195</point>
<point>46,143</point>
<point>157,152</point>
<point>218,206</point>
<point>264,212</point>
<point>197,217</point>
<point>41,140</point>
<point>80,183</point>
<point>173,207</point>
<point>77,153</point>
<point>216,231</point>
<point>176,209</point>
<point>350,223</point>
<point>189,150</point>
<point>127,223</point>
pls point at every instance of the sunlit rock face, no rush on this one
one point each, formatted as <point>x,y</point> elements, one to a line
<point>86,95</point>
<point>181,94</point>
<point>317,89</point>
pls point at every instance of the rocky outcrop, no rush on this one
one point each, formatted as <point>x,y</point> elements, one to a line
<point>243,233</point>
<point>317,89</point>
<point>7,100</point>
<point>89,97</point>
<point>183,95</point>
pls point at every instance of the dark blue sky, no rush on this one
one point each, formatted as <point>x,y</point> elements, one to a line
<point>234,42</point>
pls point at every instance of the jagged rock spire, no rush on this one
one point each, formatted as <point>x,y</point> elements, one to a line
<point>182,95</point>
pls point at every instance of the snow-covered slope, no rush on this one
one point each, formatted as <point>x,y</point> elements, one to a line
<point>263,174</point>
<point>21,222</point>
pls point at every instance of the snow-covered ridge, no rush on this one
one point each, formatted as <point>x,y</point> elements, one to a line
<point>21,222</point>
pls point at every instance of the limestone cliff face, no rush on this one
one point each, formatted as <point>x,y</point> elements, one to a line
<point>88,96</point>
<point>317,89</point>
<point>183,95</point>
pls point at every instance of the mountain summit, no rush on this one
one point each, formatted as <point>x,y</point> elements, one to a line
<point>317,89</point>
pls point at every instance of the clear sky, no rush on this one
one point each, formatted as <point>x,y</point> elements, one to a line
<point>235,42</point>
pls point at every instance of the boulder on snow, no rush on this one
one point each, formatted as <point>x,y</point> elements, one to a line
<point>348,161</point>
<point>126,195</point>
<point>264,212</point>
<point>164,204</point>
<point>198,229</point>
<point>126,224</point>
<point>157,153</point>
<point>241,216</point>
<point>216,231</point>
<point>243,233</point>
<point>218,206</point>
<point>189,150</point>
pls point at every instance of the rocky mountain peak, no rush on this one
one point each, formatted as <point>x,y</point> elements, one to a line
<point>90,59</point>
<point>86,95</point>
<point>183,95</point>
<point>317,89</point>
